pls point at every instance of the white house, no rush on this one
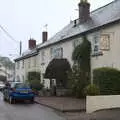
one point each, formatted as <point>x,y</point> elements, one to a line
<point>7,73</point>
<point>29,61</point>
<point>102,28</point>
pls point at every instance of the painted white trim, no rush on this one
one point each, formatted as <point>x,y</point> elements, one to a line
<point>94,103</point>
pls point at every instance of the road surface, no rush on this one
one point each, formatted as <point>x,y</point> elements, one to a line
<point>26,111</point>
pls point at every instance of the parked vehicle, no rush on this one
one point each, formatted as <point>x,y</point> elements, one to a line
<point>18,91</point>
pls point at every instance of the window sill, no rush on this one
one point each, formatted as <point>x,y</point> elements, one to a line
<point>42,63</point>
<point>100,53</point>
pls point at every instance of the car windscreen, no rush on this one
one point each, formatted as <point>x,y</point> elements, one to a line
<point>22,85</point>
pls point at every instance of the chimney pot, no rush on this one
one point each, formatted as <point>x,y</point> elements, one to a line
<point>84,11</point>
<point>32,43</point>
<point>44,36</point>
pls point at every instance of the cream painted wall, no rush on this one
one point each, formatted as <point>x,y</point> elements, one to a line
<point>94,103</point>
<point>67,53</point>
<point>30,64</point>
<point>109,58</point>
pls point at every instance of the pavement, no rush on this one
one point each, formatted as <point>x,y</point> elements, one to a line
<point>111,114</point>
<point>74,109</point>
<point>63,104</point>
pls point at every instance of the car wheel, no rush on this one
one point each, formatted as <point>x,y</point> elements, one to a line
<point>32,100</point>
<point>4,98</point>
<point>11,101</point>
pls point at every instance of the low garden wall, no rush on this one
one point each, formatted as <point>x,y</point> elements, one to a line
<point>94,103</point>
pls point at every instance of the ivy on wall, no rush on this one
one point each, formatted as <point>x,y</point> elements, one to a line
<point>79,78</point>
<point>81,55</point>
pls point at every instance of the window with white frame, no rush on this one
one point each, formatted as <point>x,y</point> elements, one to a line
<point>77,42</point>
<point>22,63</point>
<point>34,62</point>
<point>43,56</point>
<point>18,78</point>
<point>29,62</point>
<point>56,52</point>
<point>96,44</point>
<point>18,65</point>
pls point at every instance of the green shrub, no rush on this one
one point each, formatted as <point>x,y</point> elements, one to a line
<point>108,80</point>
<point>92,90</point>
<point>33,75</point>
<point>36,85</point>
<point>34,80</point>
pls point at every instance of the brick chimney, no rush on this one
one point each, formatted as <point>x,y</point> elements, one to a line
<point>44,36</point>
<point>32,43</point>
<point>84,11</point>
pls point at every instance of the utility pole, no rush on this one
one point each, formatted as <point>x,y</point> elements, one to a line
<point>20,47</point>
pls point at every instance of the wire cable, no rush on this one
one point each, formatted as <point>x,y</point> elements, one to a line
<point>10,36</point>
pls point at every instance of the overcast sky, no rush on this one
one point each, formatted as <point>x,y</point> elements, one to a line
<point>26,18</point>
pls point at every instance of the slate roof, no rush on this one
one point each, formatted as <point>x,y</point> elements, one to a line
<point>100,17</point>
<point>27,54</point>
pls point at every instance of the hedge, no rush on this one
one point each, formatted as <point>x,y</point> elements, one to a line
<point>34,80</point>
<point>108,80</point>
<point>33,75</point>
<point>91,90</point>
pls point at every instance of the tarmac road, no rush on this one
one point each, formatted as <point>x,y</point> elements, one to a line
<point>26,111</point>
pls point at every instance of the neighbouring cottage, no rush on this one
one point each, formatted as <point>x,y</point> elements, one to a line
<point>101,27</point>
<point>6,73</point>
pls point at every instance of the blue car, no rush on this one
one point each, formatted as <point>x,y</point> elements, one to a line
<point>18,91</point>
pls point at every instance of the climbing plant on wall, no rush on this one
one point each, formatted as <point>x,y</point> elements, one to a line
<point>81,55</point>
<point>80,75</point>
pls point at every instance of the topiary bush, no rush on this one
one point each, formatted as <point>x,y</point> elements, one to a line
<point>108,80</point>
<point>58,69</point>
<point>92,90</point>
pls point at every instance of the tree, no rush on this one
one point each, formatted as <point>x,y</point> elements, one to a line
<point>6,62</point>
<point>3,78</point>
